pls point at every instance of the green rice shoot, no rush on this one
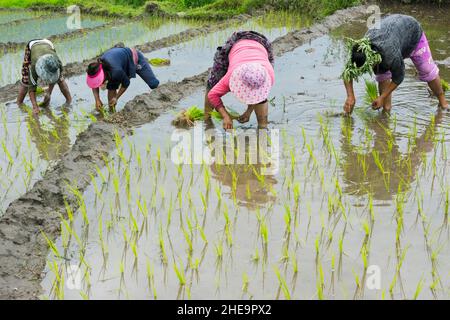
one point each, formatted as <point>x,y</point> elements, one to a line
<point>444,84</point>
<point>217,116</point>
<point>371,92</point>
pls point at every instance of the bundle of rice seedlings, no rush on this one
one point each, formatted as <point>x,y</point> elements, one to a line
<point>40,91</point>
<point>187,118</point>
<point>217,116</point>
<point>371,92</point>
<point>159,62</point>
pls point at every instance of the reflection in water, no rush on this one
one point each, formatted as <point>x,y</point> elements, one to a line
<point>378,166</point>
<point>250,184</point>
<point>246,183</point>
<point>49,132</point>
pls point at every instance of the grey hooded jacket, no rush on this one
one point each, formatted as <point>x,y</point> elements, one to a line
<point>395,40</point>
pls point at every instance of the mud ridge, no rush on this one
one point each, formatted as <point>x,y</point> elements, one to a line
<point>14,46</point>
<point>19,21</point>
<point>9,92</point>
<point>23,250</point>
<point>83,10</point>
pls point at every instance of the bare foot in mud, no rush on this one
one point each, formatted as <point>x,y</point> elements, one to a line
<point>36,111</point>
<point>46,101</point>
<point>245,117</point>
<point>444,107</point>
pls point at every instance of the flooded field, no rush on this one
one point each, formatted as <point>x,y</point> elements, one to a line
<point>30,29</point>
<point>62,125</point>
<point>11,16</point>
<point>343,198</point>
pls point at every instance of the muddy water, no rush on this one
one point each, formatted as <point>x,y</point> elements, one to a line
<point>369,190</point>
<point>79,48</point>
<point>54,133</point>
<point>33,29</point>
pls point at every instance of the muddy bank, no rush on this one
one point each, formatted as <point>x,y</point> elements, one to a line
<point>13,46</point>
<point>23,250</point>
<point>9,92</point>
<point>83,9</point>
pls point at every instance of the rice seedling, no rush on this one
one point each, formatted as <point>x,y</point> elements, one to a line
<point>320,282</point>
<point>219,251</point>
<point>217,116</point>
<point>282,283</point>
<point>264,232</point>
<point>159,62</point>
<point>371,92</point>
<point>162,246</point>
<point>245,282</point>
<point>51,245</point>
<point>8,155</point>
<point>447,202</point>
<point>151,279</point>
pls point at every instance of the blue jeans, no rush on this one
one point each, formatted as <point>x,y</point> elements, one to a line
<point>145,72</point>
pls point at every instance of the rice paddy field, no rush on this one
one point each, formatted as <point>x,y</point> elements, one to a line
<point>12,16</point>
<point>343,200</point>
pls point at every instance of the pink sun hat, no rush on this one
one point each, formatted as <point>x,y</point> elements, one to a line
<point>95,81</point>
<point>250,83</point>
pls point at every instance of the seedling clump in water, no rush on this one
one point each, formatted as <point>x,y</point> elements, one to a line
<point>159,62</point>
<point>187,118</point>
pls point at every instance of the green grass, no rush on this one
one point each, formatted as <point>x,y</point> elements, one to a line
<point>114,7</point>
<point>195,8</point>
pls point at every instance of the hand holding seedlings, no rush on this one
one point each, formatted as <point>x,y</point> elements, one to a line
<point>349,104</point>
<point>378,103</point>
<point>227,121</point>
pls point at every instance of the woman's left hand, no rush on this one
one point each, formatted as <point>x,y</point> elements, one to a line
<point>46,101</point>
<point>113,102</point>
<point>378,103</point>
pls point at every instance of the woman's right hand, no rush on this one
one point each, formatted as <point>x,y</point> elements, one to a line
<point>227,122</point>
<point>349,105</point>
<point>99,105</point>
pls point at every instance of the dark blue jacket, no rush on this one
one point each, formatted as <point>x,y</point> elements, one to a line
<point>120,66</point>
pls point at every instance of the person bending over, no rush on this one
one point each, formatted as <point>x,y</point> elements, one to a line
<point>41,63</point>
<point>382,52</point>
<point>113,72</point>
<point>244,66</point>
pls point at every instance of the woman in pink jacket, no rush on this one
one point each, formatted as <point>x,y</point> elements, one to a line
<point>243,66</point>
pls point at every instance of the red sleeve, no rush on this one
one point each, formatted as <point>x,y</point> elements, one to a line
<point>218,91</point>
